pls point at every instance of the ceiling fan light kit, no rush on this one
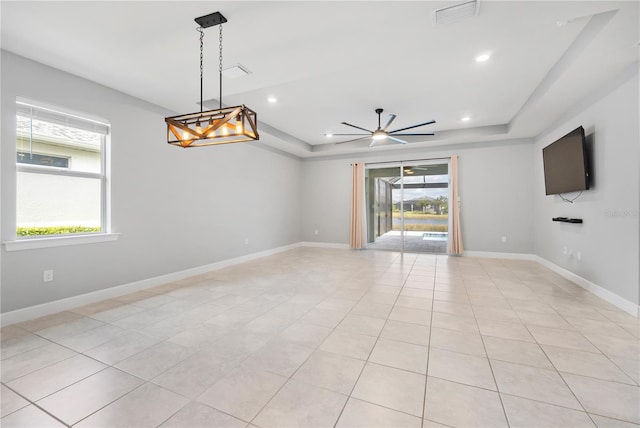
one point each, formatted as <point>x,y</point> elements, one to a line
<point>212,127</point>
<point>381,133</point>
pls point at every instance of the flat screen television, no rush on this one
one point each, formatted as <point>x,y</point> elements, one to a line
<point>565,164</point>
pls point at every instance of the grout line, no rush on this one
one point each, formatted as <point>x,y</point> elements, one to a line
<point>484,346</point>
<point>30,402</point>
<point>426,379</point>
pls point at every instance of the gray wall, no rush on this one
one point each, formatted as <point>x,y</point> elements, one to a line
<point>175,209</point>
<point>608,239</point>
<point>178,209</point>
<point>495,181</point>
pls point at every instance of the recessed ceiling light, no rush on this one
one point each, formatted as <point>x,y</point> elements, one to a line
<point>272,100</point>
<point>483,57</point>
<point>328,135</point>
<point>465,119</point>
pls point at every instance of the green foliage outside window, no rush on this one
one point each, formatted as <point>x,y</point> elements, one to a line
<point>55,230</point>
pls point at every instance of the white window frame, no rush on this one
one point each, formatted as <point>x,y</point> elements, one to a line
<point>105,234</point>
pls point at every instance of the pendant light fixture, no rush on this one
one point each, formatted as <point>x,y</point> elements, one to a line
<point>221,126</point>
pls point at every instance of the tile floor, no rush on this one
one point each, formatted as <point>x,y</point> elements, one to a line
<point>322,337</point>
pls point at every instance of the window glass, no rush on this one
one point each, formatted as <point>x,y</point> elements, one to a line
<point>61,179</point>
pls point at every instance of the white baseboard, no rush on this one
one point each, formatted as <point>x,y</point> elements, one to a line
<point>492,255</point>
<point>324,245</point>
<point>49,308</point>
<point>603,293</point>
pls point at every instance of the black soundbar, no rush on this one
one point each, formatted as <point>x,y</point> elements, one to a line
<point>567,220</point>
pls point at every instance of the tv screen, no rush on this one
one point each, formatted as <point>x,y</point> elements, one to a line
<point>565,164</point>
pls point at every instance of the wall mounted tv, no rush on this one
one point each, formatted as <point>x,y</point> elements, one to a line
<point>565,164</point>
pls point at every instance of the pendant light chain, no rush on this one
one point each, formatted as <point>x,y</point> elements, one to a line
<point>200,29</point>
<point>209,127</point>
<point>220,66</point>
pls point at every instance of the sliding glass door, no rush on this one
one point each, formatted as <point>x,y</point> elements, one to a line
<point>408,206</point>
<point>380,190</point>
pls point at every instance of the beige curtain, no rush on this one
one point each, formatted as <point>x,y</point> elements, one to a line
<point>455,237</point>
<point>356,235</point>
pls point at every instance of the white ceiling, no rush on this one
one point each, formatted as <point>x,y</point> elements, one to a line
<point>329,62</point>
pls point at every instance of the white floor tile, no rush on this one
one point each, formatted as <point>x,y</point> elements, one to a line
<point>10,401</point>
<point>515,351</point>
<point>451,340</point>
<point>330,371</point>
<point>393,388</point>
<point>534,383</point>
<point>349,344</point>
<point>406,332</point>
<point>302,405</point>
<point>81,399</point>
<point>39,384</point>
<point>611,399</point>
<point>461,405</point>
<point>279,357</point>
<point>243,393</point>
<point>193,375</point>
<point>585,363</point>
<point>30,361</point>
<point>360,414</point>
<point>400,355</point>
<point>467,369</point>
<point>523,413</point>
<point>199,415</point>
<point>146,406</point>
<point>30,416</point>
<point>361,324</point>
<point>155,360</point>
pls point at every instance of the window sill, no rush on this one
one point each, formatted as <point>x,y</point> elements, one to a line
<point>58,241</point>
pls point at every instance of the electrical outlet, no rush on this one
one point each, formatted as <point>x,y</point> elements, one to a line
<point>504,239</point>
<point>579,255</point>
<point>246,241</point>
<point>316,231</point>
<point>564,251</point>
<point>47,275</point>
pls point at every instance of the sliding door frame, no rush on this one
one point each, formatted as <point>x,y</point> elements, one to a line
<point>401,165</point>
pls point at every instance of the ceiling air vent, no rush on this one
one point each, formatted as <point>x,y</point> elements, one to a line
<point>236,71</point>
<point>455,13</point>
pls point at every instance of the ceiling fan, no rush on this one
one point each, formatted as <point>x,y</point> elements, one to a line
<point>381,133</point>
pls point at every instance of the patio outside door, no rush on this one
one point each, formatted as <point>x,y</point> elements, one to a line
<point>407,206</point>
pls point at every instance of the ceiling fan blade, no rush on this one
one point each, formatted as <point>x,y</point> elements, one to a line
<point>414,135</point>
<point>397,140</point>
<point>342,135</point>
<point>350,141</point>
<point>373,142</point>
<point>357,127</point>
<point>389,120</point>
<point>411,127</point>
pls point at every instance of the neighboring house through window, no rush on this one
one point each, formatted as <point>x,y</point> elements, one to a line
<point>61,172</point>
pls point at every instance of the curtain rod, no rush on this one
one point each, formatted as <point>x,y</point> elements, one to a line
<point>408,160</point>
